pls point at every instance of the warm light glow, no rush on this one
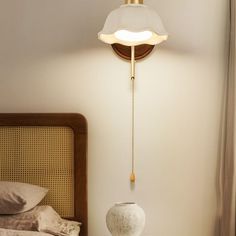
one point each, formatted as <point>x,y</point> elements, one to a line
<point>129,36</point>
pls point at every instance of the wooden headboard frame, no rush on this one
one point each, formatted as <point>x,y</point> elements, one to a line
<point>78,124</point>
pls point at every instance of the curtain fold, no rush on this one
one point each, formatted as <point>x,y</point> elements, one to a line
<point>227,162</point>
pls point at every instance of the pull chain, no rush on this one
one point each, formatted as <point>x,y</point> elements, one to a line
<point>132,176</point>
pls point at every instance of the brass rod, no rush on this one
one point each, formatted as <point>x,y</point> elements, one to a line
<point>132,176</point>
<point>132,62</point>
<point>133,1</point>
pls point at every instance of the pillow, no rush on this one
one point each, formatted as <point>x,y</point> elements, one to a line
<point>43,219</point>
<point>19,197</point>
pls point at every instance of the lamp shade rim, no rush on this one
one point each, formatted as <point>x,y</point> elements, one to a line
<point>160,32</point>
<point>110,38</point>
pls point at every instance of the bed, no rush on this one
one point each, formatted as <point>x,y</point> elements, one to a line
<point>47,150</point>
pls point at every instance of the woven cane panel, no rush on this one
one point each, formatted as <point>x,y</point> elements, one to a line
<point>43,156</point>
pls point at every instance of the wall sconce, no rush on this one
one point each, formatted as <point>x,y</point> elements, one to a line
<point>133,30</point>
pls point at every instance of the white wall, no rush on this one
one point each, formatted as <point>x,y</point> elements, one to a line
<point>51,61</point>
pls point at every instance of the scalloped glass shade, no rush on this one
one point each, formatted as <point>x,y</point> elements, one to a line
<point>132,25</point>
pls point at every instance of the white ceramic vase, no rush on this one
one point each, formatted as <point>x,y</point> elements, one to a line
<point>125,219</point>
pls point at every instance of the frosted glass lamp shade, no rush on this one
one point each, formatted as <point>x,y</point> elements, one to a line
<point>132,25</point>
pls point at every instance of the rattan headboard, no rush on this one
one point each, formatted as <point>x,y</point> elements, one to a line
<point>48,150</point>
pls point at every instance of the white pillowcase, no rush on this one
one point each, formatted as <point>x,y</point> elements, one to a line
<point>19,197</point>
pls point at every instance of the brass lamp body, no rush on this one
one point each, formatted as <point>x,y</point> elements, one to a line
<point>133,1</point>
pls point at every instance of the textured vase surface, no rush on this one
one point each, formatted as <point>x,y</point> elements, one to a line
<point>125,219</point>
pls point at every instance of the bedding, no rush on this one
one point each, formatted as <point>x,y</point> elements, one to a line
<point>19,197</point>
<point>8,232</point>
<point>42,219</point>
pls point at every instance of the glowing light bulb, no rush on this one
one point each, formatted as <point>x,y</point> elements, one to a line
<point>129,36</point>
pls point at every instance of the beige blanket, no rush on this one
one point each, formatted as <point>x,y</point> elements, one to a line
<point>10,232</point>
<point>42,219</point>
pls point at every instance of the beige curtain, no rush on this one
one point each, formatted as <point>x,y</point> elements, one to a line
<point>227,162</point>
